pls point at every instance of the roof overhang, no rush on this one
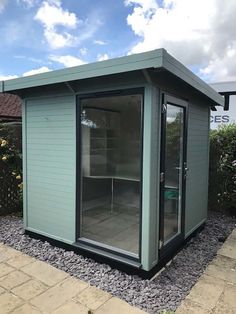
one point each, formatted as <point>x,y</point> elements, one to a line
<point>156,59</point>
<point>225,89</point>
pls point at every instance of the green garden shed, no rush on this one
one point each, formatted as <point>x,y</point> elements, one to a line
<point>115,156</point>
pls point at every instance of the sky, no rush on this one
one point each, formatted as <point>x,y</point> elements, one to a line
<point>39,36</point>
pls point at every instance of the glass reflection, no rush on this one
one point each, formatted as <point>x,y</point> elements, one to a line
<point>110,171</point>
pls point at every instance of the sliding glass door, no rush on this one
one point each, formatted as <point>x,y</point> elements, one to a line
<point>110,172</point>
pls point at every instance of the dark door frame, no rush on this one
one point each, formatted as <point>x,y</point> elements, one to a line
<point>173,244</point>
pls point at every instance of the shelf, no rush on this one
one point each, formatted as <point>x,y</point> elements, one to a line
<point>104,149</point>
<point>101,144</point>
<point>114,177</point>
<point>102,138</point>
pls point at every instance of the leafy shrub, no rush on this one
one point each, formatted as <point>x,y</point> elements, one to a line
<point>11,156</point>
<point>222,176</point>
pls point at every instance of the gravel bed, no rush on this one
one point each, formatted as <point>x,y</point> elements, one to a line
<point>166,291</point>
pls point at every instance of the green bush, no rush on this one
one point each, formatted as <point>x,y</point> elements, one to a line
<point>222,175</point>
<point>11,157</point>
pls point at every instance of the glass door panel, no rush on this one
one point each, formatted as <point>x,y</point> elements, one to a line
<point>110,171</point>
<point>173,173</point>
<point>174,130</point>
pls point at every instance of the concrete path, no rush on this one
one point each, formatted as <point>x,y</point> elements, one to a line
<point>215,292</point>
<point>29,286</point>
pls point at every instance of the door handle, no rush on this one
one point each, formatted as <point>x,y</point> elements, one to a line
<point>185,167</point>
<point>162,177</point>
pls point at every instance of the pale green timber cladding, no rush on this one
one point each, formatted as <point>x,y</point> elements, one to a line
<point>197,160</point>
<point>150,170</point>
<point>50,149</point>
<point>24,163</point>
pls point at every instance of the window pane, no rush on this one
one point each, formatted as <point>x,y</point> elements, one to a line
<point>111,161</point>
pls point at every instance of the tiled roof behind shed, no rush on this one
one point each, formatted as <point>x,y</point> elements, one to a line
<point>10,106</point>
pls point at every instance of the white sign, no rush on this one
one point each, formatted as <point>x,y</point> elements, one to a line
<point>222,117</point>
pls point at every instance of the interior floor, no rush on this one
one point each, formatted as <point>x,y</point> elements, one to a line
<point>170,226</point>
<point>118,227</point>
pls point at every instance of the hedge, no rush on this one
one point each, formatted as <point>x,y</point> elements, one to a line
<point>222,173</point>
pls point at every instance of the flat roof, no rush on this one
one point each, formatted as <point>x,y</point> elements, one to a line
<point>152,59</point>
<point>228,87</point>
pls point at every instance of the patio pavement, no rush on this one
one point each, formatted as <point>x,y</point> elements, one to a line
<point>215,292</point>
<point>30,286</point>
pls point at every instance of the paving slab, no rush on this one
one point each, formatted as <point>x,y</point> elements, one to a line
<point>223,267</point>
<point>26,309</point>
<point>6,253</point>
<point>19,261</point>
<point>93,297</point>
<point>232,235</point>
<point>13,279</point>
<point>227,301</point>
<point>2,290</point>
<point>207,291</point>
<point>5,269</point>
<point>72,308</point>
<point>31,286</point>
<point>44,272</point>
<point>30,289</point>
<point>9,302</point>
<point>190,307</point>
<point>117,306</point>
<point>56,296</point>
<point>228,249</point>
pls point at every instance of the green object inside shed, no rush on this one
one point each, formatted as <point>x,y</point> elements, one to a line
<point>171,194</point>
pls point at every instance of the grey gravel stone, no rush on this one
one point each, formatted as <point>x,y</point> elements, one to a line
<point>166,291</point>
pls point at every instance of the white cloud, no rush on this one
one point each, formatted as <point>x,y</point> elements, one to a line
<point>57,40</point>
<point>67,61</point>
<point>221,69</point>
<point>83,51</point>
<point>2,5</point>
<point>99,42</point>
<point>31,72</point>
<point>36,71</point>
<point>102,57</point>
<point>52,15</point>
<point>61,26</point>
<point>7,77</point>
<point>197,32</point>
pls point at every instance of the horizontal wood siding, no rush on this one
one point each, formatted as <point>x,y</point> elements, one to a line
<point>50,174</point>
<point>197,160</point>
